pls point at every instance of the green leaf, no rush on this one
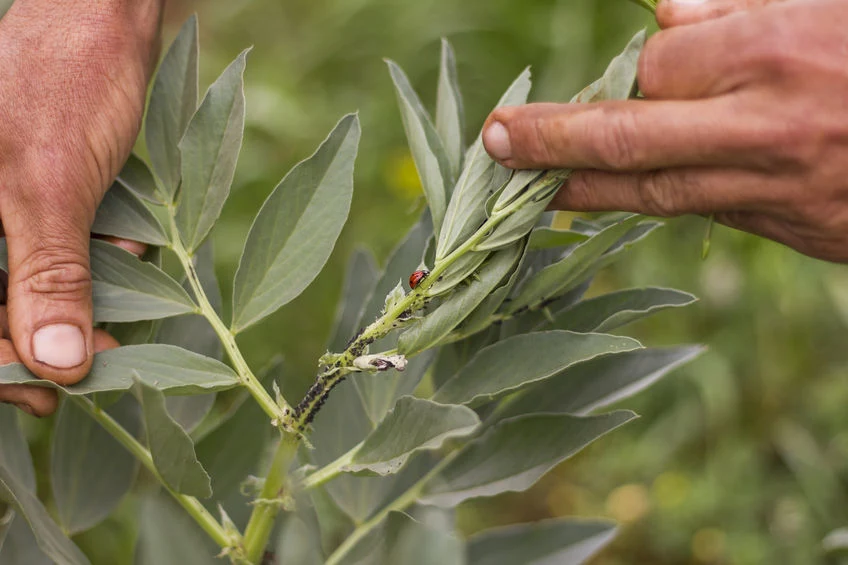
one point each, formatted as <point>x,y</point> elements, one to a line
<point>599,382</point>
<point>167,535</point>
<point>431,160</point>
<point>547,238</point>
<point>609,311</point>
<point>20,545</point>
<point>480,177</point>
<point>48,535</point>
<point>518,183</point>
<point>171,448</point>
<point>90,471</point>
<point>522,360</point>
<point>209,151</point>
<point>137,178</point>
<point>547,542</point>
<point>436,325</point>
<point>297,227</point>
<point>173,100</point>
<point>122,214</point>
<point>413,425</point>
<point>165,367</point>
<point>14,451</point>
<point>298,543</point>
<point>558,278</point>
<point>515,453</point>
<point>450,115</point>
<point>619,80</point>
<point>459,271</point>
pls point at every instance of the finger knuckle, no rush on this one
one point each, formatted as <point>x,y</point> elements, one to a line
<point>614,143</point>
<point>657,195</point>
<point>57,273</point>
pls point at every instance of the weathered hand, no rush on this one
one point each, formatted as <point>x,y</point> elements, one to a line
<point>745,116</point>
<point>75,75</point>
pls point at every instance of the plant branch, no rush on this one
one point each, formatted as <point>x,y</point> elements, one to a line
<point>271,499</point>
<point>191,505</point>
<point>279,413</point>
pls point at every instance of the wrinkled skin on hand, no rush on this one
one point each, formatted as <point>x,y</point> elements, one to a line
<point>71,101</point>
<point>745,116</point>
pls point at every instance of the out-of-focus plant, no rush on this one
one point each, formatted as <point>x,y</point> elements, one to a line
<point>476,381</point>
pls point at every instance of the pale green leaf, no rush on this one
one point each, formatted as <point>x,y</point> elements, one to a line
<point>90,471</point>
<point>436,325</point>
<point>518,183</point>
<point>546,238</point>
<point>122,214</point>
<point>609,311</point>
<point>298,543</point>
<point>165,367</point>
<point>599,382</point>
<point>480,177</point>
<point>171,448</point>
<point>558,278</point>
<point>20,545</point>
<point>428,153</point>
<point>209,151</point>
<point>137,178</point>
<point>560,540</point>
<point>173,100</point>
<point>414,424</point>
<point>297,227</point>
<point>522,360</point>
<point>168,536</point>
<point>14,451</point>
<point>450,115</point>
<point>520,222</point>
<point>458,272</point>
<point>360,278</point>
<point>47,533</point>
<point>515,453</point>
<point>394,297</point>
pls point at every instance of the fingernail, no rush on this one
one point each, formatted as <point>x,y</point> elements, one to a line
<point>496,140</point>
<point>59,345</point>
<point>25,407</point>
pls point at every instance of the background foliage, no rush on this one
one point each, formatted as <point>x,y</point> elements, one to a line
<point>740,457</point>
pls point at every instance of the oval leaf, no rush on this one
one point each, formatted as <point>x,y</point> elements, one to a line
<point>297,227</point>
<point>547,238</point>
<point>173,100</point>
<point>431,161</point>
<point>549,541</point>
<point>137,178</point>
<point>90,471</point>
<point>14,451</point>
<point>450,115</point>
<point>164,367</point>
<point>208,154</point>
<point>122,214</point>
<point>519,361</point>
<point>171,448</point>
<point>414,424</point>
<point>515,453</point>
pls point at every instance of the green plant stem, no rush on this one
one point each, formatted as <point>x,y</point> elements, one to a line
<point>400,503</point>
<point>277,412</point>
<point>191,505</point>
<point>411,302</point>
<point>271,499</point>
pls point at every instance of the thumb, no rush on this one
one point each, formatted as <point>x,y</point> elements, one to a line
<point>49,295</point>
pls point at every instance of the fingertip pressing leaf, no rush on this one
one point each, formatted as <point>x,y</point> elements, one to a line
<point>171,448</point>
<point>209,150</point>
<point>122,214</point>
<point>431,161</point>
<point>515,453</point>
<point>559,540</point>
<point>173,101</point>
<point>450,115</point>
<point>296,228</point>
<point>525,359</point>
<point>414,424</point>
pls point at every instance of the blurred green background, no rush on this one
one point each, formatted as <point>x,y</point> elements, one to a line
<point>740,457</point>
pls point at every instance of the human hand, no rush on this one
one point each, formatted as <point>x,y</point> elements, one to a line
<point>75,76</point>
<point>745,117</point>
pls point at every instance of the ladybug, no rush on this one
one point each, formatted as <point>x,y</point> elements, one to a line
<point>416,278</point>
